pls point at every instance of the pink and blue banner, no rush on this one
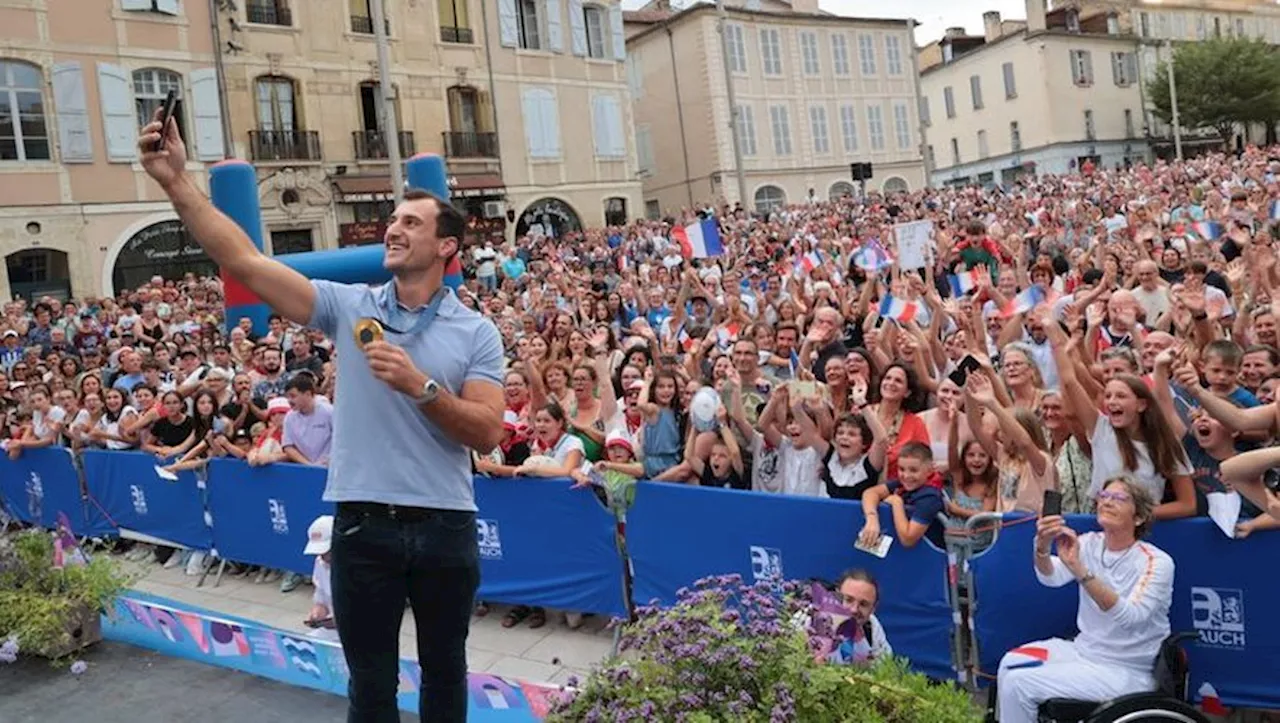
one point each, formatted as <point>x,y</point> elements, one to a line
<point>227,641</point>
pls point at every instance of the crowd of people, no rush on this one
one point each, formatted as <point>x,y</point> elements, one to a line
<point>1064,331</point>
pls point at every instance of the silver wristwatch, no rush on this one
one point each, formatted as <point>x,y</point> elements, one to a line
<point>430,390</point>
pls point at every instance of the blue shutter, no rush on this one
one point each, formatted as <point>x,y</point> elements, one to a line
<point>555,37</point>
<point>119,124</point>
<point>577,27</point>
<point>74,135</point>
<point>619,39</point>
<point>206,113</point>
<point>551,123</point>
<point>169,7</point>
<point>508,24</point>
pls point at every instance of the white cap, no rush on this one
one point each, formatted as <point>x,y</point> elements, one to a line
<point>318,535</point>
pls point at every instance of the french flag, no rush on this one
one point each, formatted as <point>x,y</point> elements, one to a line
<point>811,261</point>
<point>1208,230</point>
<point>1029,299</point>
<point>453,273</point>
<point>872,257</point>
<point>900,310</point>
<point>699,240</point>
<point>965,282</point>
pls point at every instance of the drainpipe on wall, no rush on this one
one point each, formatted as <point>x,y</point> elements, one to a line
<point>493,94</point>
<point>915,76</point>
<point>220,71</point>
<point>684,142</point>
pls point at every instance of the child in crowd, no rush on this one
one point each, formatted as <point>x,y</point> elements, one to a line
<point>321,618</point>
<point>915,503</point>
<point>723,465</point>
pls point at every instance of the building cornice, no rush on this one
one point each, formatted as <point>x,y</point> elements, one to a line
<point>793,17</point>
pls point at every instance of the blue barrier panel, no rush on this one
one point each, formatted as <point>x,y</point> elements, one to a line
<point>1222,590</point>
<point>261,514</point>
<point>127,487</point>
<point>44,482</point>
<point>543,543</point>
<point>1012,607</point>
<point>677,534</point>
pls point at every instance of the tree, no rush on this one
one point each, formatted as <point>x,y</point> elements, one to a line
<point>1220,83</point>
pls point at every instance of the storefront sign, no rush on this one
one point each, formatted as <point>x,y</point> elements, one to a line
<point>358,234</point>
<point>548,217</point>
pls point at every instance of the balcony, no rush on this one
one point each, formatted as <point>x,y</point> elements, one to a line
<point>363,24</point>
<point>372,145</point>
<point>284,145</point>
<point>267,12</point>
<point>450,34</point>
<point>465,144</point>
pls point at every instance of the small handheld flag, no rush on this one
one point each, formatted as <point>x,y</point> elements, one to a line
<point>1275,210</point>
<point>699,240</point>
<point>1208,230</point>
<point>1029,299</point>
<point>900,310</point>
<point>872,257</point>
<point>964,282</point>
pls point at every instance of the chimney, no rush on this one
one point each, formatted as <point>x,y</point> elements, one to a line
<point>991,25</point>
<point>809,7</point>
<point>954,33</point>
<point>1035,16</point>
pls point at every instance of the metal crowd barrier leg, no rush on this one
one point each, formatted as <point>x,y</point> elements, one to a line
<point>974,527</point>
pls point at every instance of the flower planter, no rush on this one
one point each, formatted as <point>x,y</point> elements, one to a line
<point>83,627</point>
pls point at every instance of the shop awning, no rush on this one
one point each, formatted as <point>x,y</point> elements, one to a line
<point>356,189</point>
<point>474,185</point>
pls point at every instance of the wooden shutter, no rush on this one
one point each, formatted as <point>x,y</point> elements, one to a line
<point>206,114</point>
<point>169,7</point>
<point>617,134</point>
<point>532,110</point>
<point>74,135</point>
<point>550,123</point>
<point>118,121</point>
<point>619,40</point>
<point>577,27</point>
<point>555,36</point>
<point>508,24</point>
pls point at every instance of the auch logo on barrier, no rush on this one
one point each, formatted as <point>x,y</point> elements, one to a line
<point>139,499</point>
<point>1217,614</point>
<point>766,564</point>
<point>279,517</point>
<point>35,497</point>
<point>488,539</point>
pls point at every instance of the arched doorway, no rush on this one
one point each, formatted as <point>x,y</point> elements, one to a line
<point>162,249</point>
<point>549,217</point>
<point>34,273</point>
<point>769,198</point>
<point>894,184</point>
<point>840,189</point>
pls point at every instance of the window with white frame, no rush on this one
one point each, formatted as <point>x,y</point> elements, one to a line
<point>893,55</point>
<point>780,124</point>
<point>867,54</point>
<point>168,7</point>
<point>737,48</point>
<point>849,128</point>
<point>541,122</point>
<point>644,149</point>
<point>746,130</point>
<point>924,111</point>
<point>949,101</point>
<point>1082,67</point>
<point>594,21</point>
<point>1124,68</point>
<point>975,90</point>
<point>818,128</point>
<point>276,108</point>
<point>955,151</point>
<point>1010,83</point>
<point>24,133</point>
<point>1090,132</point>
<point>769,199</point>
<point>983,151</point>
<point>530,27</point>
<point>771,51</point>
<point>875,126</point>
<point>1015,137</point>
<point>610,141</point>
<point>902,124</point>
<point>1128,123</point>
<point>809,52</point>
<point>840,53</point>
<point>150,88</point>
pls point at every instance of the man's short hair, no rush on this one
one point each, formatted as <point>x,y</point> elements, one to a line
<point>860,575</point>
<point>1273,354</point>
<point>450,221</point>
<point>916,450</point>
<point>1226,350</point>
<point>302,383</point>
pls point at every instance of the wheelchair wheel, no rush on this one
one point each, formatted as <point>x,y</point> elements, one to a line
<point>1147,709</point>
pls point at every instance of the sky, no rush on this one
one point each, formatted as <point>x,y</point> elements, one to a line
<point>934,16</point>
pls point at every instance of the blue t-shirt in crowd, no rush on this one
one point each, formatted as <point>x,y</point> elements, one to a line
<point>922,504</point>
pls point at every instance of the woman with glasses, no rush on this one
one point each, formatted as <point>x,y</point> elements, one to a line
<point>1126,588</point>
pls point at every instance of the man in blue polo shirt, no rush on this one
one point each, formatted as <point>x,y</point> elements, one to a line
<point>407,409</point>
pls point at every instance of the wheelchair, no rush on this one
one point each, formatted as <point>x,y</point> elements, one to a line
<point>1166,704</point>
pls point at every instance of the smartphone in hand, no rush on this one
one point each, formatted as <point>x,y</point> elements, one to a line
<point>1052,503</point>
<point>961,373</point>
<point>170,104</point>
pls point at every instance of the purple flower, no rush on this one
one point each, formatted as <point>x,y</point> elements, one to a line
<point>78,667</point>
<point>10,646</point>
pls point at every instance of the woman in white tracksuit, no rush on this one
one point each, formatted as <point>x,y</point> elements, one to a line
<point>1126,587</point>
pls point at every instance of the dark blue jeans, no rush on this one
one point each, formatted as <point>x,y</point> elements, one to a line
<point>378,562</point>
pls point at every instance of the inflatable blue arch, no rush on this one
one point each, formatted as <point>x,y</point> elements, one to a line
<point>233,187</point>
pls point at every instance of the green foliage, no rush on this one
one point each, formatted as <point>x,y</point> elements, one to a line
<point>36,599</point>
<point>720,656</point>
<point>1220,83</point>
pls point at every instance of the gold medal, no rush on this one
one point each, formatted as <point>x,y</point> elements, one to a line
<point>367,331</point>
